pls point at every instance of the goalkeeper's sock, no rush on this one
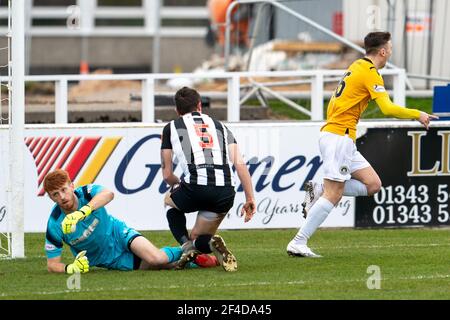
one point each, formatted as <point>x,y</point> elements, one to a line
<point>354,188</point>
<point>316,216</point>
<point>172,253</point>
<point>177,225</point>
<point>192,265</point>
<point>202,243</point>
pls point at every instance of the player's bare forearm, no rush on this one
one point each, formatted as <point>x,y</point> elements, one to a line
<point>246,180</point>
<point>101,199</point>
<point>55,265</point>
<point>249,207</point>
<point>167,167</point>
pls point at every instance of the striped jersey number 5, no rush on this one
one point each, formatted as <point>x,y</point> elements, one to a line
<point>206,139</point>
<point>341,85</point>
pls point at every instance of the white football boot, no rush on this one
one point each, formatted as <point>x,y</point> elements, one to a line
<point>313,191</point>
<point>300,250</point>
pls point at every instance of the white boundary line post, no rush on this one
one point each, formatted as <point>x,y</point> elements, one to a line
<point>61,110</point>
<point>317,96</point>
<point>399,84</point>
<point>17,167</point>
<point>233,101</point>
<point>87,11</point>
<point>148,100</point>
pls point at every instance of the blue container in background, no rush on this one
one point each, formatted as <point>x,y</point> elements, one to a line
<point>441,102</point>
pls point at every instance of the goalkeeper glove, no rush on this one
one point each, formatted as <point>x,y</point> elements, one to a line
<point>80,265</point>
<point>69,224</point>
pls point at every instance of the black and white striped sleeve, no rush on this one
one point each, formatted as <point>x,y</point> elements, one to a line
<point>165,138</point>
<point>230,136</point>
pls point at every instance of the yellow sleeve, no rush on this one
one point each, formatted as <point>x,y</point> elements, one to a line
<point>390,109</point>
<point>374,83</point>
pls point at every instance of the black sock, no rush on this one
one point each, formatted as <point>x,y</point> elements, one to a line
<point>202,243</point>
<point>177,225</point>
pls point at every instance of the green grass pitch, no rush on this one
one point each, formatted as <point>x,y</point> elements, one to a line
<point>413,264</point>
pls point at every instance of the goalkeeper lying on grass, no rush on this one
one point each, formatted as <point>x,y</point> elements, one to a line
<point>80,219</point>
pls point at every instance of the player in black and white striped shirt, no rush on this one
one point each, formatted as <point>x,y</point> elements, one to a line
<point>206,150</point>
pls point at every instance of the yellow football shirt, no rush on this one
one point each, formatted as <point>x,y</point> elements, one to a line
<point>361,83</point>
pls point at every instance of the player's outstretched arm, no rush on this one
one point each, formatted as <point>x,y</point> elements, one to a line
<point>79,265</point>
<point>101,199</point>
<point>69,224</point>
<point>390,109</point>
<point>55,265</point>
<point>249,207</point>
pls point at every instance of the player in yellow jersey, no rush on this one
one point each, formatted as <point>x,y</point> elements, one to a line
<point>346,171</point>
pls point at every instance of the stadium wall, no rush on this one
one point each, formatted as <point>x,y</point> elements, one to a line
<point>126,159</point>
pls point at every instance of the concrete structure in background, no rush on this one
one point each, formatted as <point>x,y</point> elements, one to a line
<point>56,50</point>
<point>324,12</point>
<point>409,22</point>
<point>55,55</point>
<point>63,36</point>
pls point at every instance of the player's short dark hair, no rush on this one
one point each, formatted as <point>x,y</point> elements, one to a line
<point>375,40</point>
<point>186,100</point>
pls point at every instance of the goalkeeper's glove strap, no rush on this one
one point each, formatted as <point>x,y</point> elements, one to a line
<point>86,210</point>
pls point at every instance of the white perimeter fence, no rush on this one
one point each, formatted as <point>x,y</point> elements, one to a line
<point>317,79</point>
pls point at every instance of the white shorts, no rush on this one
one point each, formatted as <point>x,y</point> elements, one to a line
<point>340,157</point>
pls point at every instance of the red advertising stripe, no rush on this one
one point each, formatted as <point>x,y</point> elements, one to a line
<point>34,144</point>
<point>28,141</point>
<point>48,155</point>
<point>68,152</point>
<point>43,153</point>
<point>63,159</point>
<point>39,147</point>
<point>52,160</point>
<point>80,157</point>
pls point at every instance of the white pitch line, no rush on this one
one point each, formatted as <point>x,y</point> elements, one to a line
<point>416,245</point>
<point>176,287</point>
<point>244,284</point>
<point>423,245</point>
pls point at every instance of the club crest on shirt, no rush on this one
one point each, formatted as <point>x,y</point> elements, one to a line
<point>344,170</point>
<point>378,88</point>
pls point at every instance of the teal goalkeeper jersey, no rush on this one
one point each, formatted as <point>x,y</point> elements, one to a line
<point>100,234</point>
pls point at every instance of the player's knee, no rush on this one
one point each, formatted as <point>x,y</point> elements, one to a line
<point>158,259</point>
<point>161,259</point>
<point>374,186</point>
<point>194,235</point>
<point>335,200</point>
<point>167,201</point>
<point>334,196</point>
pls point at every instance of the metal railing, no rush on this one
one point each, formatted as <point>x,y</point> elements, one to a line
<point>298,16</point>
<point>317,79</point>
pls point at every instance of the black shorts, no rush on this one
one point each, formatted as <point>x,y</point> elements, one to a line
<point>136,260</point>
<point>190,198</point>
